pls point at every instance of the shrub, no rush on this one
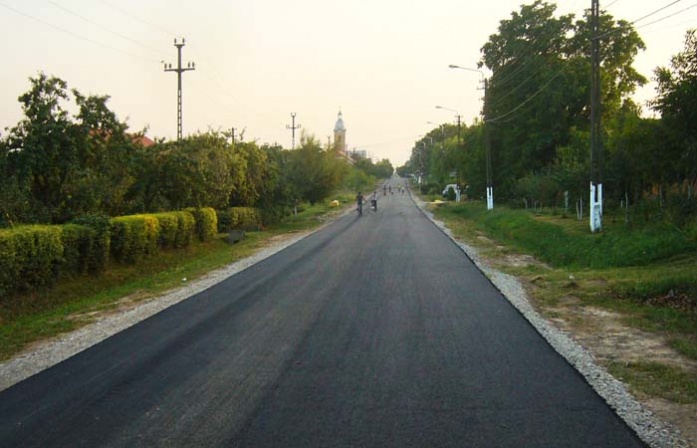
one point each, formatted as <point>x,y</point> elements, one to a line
<point>78,242</point>
<point>99,252</point>
<point>206,222</point>
<point>176,229</point>
<point>133,237</point>
<point>242,218</point>
<point>29,258</point>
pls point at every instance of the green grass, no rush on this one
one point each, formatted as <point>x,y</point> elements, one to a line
<point>646,275</point>
<point>658,380</point>
<point>568,243</point>
<point>31,318</point>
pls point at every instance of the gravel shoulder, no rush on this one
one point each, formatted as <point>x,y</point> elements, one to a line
<point>638,415</point>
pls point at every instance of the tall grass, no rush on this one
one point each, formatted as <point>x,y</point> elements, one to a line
<point>574,246</point>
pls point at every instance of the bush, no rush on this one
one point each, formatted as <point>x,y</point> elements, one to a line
<point>430,188</point>
<point>99,252</point>
<point>206,222</point>
<point>176,229</point>
<point>239,218</point>
<point>78,242</point>
<point>133,237</point>
<point>30,257</point>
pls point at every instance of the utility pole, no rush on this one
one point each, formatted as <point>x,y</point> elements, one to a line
<point>179,70</point>
<point>293,127</point>
<point>487,138</point>
<point>233,135</point>
<point>596,155</point>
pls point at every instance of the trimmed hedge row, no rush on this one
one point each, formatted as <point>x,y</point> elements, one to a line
<point>33,257</point>
<point>206,222</point>
<point>134,237</point>
<point>29,258</point>
<point>239,218</point>
<point>176,229</point>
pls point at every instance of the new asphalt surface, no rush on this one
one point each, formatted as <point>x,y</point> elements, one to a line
<point>374,332</point>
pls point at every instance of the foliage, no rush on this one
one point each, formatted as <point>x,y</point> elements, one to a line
<point>101,242</point>
<point>176,229</point>
<point>243,218</point>
<point>560,247</point>
<point>30,257</point>
<point>314,172</point>
<point>56,167</point>
<point>133,237</point>
<point>677,102</point>
<point>206,222</point>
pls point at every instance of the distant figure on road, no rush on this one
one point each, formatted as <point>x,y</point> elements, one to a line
<point>374,201</point>
<point>359,203</point>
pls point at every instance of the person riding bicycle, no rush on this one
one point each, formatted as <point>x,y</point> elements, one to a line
<point>359,202</point>
<point>374,201</point>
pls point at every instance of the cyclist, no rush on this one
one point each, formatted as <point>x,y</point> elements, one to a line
<point>359,203</point>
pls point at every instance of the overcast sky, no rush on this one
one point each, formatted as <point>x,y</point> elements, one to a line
<point>384,63</point>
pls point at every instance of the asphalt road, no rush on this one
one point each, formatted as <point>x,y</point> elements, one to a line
<point>375,332</point>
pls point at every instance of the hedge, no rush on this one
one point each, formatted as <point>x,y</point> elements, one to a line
<point>30,257</point>
<point>33,257</point>
<point>78,242</point>
<point>206,222</point>
<point>243,218</point>
<point>98,255</point>
<point>176,229</point>
<point>133,237</point>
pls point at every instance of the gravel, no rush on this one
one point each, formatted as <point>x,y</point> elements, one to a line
<point>46,354</point>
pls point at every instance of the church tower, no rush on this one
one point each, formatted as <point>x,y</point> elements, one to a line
<point>340,134</point>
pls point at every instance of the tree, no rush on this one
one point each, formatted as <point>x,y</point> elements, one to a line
<point>195,172</point>
<point>40,153</point>
<point>677,103</point>
<point>313,172</point>
<point>538,90</point>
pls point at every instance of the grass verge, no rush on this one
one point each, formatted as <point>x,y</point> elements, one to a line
<point>73,302</point>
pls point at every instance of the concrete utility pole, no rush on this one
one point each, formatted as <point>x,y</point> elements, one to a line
<point>487,137</point>
<point>293,127</point>
<point>596,156</point>
<point>179,70</point>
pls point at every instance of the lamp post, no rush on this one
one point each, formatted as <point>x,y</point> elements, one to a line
<point>489,182</point>
<point>442,131</point>
<point>457,115</point>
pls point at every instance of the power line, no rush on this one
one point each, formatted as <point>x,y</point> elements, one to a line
<point>73,34</point>
<point>115,33</point>
<point>497,119</point>
<point>667,17</point>
<point>656,11</point>
<point>145,22</point>
<point>608,33</point>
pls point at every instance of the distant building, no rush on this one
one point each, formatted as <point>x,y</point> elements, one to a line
<point>359,154</point>
<point>340,134</point>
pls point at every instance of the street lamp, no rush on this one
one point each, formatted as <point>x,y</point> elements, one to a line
<point>442,131</point>
<point>489,182</point>
<point>457,115</point>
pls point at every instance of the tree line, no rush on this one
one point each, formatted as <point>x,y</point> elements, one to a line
<point>56,167</point>
<point>536,120</point>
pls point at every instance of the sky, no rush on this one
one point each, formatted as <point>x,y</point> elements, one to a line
<point>382,63</point>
